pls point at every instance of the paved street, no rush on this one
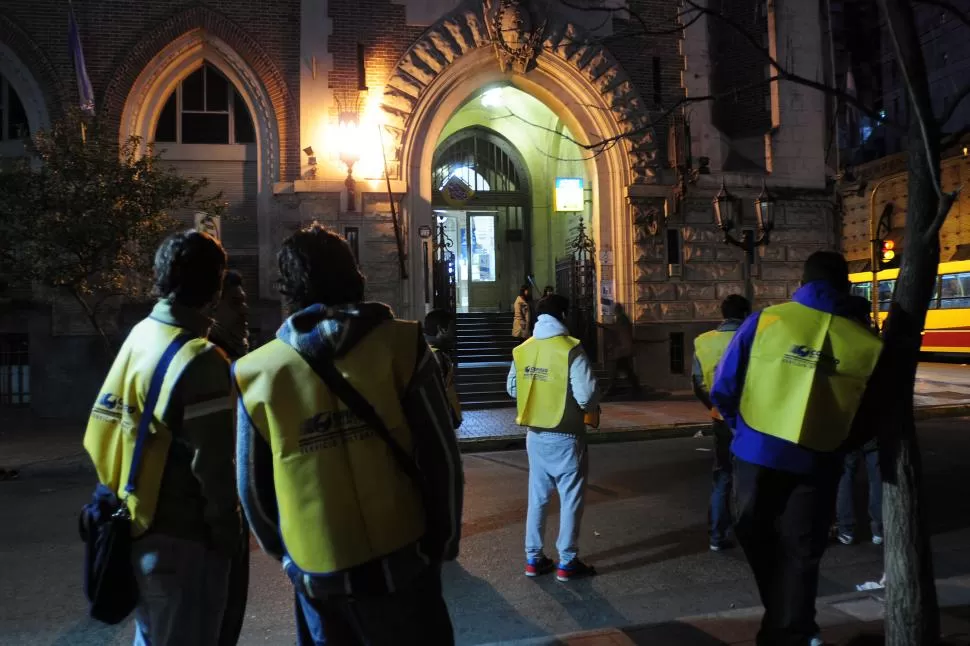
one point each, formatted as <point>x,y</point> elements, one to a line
<point>645,528</point>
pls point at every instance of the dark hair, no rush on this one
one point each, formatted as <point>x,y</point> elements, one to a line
<point>232,279</point>
<point>437,320</point>
<point>523,290</point>
<point>735,306</point>
<point>548,290</point>
<point>829,266</point>
<point>554,305</point>
<point>860,309</point>
<point>317,266</point>
<point>188,268</point>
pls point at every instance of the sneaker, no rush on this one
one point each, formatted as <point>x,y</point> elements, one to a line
<point>846,539</point>
<point>540,565</point>
<point>720,546</point>
<point>877,540</point>
<point>816,641</point>
<point>575,569</point>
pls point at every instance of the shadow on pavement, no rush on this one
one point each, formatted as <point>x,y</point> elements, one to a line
<point>669,545</point>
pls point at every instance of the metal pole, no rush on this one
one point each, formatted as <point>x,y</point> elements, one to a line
<point>874,251</point>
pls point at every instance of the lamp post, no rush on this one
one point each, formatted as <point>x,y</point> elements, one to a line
<point>725,206</point>
<point>349,154</point>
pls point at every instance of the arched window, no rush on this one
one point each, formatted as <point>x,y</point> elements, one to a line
<point>13,117</point>
<point>477,159</point>
<point>205,108</point>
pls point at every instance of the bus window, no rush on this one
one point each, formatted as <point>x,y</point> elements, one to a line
<point>955,291</point>
<point>886,288</point>
<point>935,299</point>
<point>862,289</point>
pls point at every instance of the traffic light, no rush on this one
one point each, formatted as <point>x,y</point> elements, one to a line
<point>887,254</point>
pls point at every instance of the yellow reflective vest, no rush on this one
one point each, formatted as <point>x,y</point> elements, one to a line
<point>806,375</point>
<point>342,498</point>
<point>113,424</point>
<point>542,380</point>
<point>448,373</point>
<point>709,348</point>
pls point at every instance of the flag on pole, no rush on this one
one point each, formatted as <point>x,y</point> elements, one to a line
<point>80,70</point>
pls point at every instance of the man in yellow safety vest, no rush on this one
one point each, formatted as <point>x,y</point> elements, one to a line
<point>794,386</point>
<point>349,470</point>
<point>183,504</point>
<point>708,349</point>
<point>553,384</point>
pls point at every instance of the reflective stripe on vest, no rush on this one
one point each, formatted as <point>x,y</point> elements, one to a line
<point>542,380</point>
<point>448,373</point>
<point>709,348</point>
<point>343,500</point>
<point>113,424</point>
<point>806,375</point>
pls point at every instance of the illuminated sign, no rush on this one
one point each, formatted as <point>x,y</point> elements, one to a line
<point>456,192</point>
<point>569,194</point>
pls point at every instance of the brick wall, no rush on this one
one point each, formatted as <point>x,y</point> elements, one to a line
<point>121,37</point>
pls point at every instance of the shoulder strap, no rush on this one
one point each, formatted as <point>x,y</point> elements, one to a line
<point>151,399</point>
<point>338,385</point>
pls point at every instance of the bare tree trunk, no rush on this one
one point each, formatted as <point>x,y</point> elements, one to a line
<point>912,611</point>
<point>91,313</point>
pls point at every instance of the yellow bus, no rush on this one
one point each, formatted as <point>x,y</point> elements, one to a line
<point>947,329</point>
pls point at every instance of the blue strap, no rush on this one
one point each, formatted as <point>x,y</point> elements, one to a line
<point>151,399</point>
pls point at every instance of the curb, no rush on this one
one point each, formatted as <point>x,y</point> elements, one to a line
<point>611,436</point>
<point>667,431</point>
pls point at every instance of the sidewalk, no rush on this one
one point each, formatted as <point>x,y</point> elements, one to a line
<point>680,415</point>
<point>840,617</point>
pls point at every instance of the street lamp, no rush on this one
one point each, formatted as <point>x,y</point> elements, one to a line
<point>349,154</point>
<point>725,218</point>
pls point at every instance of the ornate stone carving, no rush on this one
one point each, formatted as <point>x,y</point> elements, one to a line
<point>649,215</point>
<point>521,35</point>
<point>515,33</point>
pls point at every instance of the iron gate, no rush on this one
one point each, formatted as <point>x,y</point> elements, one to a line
<point>444,272</point>
<point>576,279</point>
<point>14,370</point>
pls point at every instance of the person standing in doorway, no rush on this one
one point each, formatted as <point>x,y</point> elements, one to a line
<point>552,382</point>
<point>622,350</point>
<point>349,470</point>
<point>791,385</point>
<point>522,314</point>
<point>230,331</point>
<point>439,332</point>
<point>708,349</point>
<point>185,513</point>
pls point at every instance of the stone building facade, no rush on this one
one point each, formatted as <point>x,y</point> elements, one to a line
<point>389,85</point>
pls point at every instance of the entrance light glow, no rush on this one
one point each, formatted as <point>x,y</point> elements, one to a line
<point>569,194</point>
<point>492,98</point>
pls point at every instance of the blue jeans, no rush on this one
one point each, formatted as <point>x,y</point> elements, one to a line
<point>845,504</point>
<point>556,461</point>
<point>722,477</point>
<point>411,616</point>
<point>182,589</point>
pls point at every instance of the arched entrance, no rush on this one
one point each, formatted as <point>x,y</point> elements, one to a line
<point>489,231</point>
<point>583,86</point>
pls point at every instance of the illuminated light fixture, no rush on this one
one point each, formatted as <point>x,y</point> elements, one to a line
<point>349,148</point>
<point>492,98</point>
<point>966,151</point>
<point>569,194</point>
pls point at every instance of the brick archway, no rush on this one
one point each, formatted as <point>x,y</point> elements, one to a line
<point>31,73</point>
<point>205,22</point>
<point>564,46</point>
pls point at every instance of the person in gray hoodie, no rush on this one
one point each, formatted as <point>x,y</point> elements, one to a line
<point>552,380</point>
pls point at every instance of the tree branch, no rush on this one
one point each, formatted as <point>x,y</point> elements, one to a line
<point>943,209</point>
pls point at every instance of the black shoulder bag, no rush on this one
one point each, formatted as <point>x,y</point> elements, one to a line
<point>105,522</point>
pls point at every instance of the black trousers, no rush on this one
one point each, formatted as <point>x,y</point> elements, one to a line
<point>782,522</point>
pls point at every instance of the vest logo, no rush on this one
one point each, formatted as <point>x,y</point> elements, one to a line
<point>112,406</point>
<point>536,374</point>
<point>330,429</point>
<point>802,355</point>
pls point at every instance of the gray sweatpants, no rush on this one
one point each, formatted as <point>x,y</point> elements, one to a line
<point>556,461</point>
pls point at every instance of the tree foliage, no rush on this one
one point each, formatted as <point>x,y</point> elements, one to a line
<point>82,215</point>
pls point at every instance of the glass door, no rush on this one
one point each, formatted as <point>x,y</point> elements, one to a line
<point>483,285</point>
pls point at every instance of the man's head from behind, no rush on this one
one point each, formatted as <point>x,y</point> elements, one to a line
<point>829,267</point>
<point>555,306</point>
<point>317,266</point>
<point>189,267</point>
<point>439,324</point>
<point>735,306</point>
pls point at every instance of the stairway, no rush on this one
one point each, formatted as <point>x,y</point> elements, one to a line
<point>484,355</point>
